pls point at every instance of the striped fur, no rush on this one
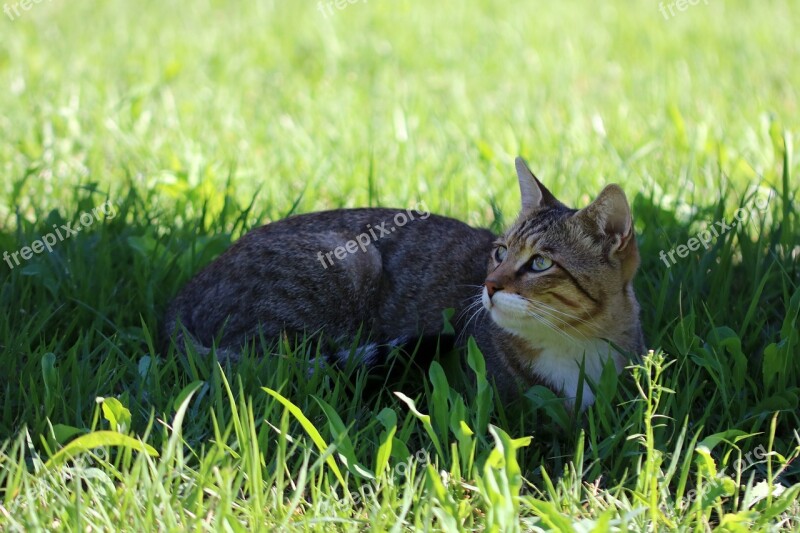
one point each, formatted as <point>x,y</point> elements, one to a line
<point>532,327</point>
<point>579,311</point>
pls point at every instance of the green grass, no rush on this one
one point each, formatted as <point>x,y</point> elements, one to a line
<point>201,121</point>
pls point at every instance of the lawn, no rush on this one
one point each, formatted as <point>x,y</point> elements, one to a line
<point>148,136</point>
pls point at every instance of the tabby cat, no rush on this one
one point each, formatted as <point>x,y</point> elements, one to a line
<point>552,294</point>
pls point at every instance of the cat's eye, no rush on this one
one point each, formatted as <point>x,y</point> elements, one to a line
<point>540,263</point>
<point>500,253</point>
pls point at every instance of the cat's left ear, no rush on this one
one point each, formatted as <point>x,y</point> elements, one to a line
<point>612,215</point>
<point>534,194</point>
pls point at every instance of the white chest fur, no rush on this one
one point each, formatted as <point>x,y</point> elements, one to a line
<point>560,351</point>
<point>560,366</point>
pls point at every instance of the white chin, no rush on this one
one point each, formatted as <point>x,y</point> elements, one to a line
<point>508,312</point>
<point>504,321</point>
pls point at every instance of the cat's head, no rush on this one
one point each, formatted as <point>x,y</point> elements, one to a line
<point>564,275</point>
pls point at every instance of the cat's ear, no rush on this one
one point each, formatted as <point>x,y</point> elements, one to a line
<point>612,214</point>
<point>534,194</point>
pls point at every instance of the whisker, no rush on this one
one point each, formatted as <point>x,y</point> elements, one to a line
<point>552,326</point>
<point>554,312</point>
<point>562,321</point>
<point>561,312</point>
<point>464,330</point>
<point>469,308</point>
<point>544,308</point>
<point>550,314</point>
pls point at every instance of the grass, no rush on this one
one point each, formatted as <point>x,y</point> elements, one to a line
<point>200,122</point>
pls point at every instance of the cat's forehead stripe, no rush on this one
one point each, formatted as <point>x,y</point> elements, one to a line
<point>531,230</point>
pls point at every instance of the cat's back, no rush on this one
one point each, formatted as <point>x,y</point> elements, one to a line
<point>393,270</point>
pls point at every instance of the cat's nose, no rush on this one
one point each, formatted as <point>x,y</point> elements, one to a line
<point>492,287</point>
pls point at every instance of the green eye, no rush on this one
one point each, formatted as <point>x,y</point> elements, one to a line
<point>500,253</point>
<point>540,263</point>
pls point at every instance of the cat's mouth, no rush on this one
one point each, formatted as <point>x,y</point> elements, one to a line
<point>507,310</point>
<point>512,313</point>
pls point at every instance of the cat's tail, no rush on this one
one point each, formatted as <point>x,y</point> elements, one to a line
<point>421,349</point>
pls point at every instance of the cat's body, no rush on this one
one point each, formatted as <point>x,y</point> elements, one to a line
<point>394,287</point>
<point>556,290</point>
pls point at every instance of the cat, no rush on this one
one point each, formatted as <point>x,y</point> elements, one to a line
<point>550,295</point>
<point>559,292</point>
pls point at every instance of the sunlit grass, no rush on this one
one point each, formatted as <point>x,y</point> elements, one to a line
<point>200,122</point>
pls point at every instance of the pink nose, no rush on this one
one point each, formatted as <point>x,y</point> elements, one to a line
<point>492,287</point>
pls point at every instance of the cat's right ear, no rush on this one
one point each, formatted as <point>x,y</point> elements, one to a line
<point>534,194</point>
